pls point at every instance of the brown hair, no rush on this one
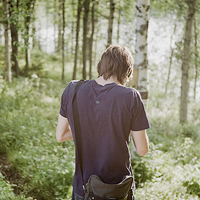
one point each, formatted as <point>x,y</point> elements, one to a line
<point>116,61</point>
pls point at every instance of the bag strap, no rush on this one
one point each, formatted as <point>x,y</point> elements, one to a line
<point>77,127</point>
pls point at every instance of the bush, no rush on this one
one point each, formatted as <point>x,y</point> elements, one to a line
<point>6,192</point>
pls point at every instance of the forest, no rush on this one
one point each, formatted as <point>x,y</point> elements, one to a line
<point>46,44</point>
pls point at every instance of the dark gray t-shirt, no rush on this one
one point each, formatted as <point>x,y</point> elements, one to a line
<point>107,114</point>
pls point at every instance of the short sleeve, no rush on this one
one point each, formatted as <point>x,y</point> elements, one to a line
<point>139,117</point>
<point>64,101</point>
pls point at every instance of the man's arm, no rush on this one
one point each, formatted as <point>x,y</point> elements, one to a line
<point>63,130</point>
<point>141,142</point>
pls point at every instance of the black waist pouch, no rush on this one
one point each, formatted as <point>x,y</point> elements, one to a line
<point>95,189</point>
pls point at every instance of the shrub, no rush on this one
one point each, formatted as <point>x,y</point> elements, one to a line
<point>6,192</point>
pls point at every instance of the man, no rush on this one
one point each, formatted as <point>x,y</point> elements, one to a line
<point>109,112</point>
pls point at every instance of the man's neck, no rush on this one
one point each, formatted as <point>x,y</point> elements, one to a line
<point>102,81</point>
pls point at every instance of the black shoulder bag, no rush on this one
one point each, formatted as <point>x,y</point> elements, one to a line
<point>95,189</point>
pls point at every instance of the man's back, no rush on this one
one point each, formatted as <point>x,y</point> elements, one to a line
<point>107,114</point>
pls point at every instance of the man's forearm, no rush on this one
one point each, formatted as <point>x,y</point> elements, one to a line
<point>63,130</point>
<point>65,137</point>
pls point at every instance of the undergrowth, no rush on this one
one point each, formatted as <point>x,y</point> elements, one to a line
<point>29,109</point>
<point>7,193</point>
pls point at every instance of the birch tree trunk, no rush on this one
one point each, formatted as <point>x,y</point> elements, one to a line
<point>140,71</point>
<point>55,22</point>
<point>186,61</point>
<point>7,36</point>
<point>110,24</point>
<point>79,9</point>
<point>196,57</point>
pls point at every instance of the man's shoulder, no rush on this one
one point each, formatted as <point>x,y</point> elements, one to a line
<point>72,85</point>
<point>127,90</point>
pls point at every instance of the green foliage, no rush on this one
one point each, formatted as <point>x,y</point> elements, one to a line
<point>169,7</point>
<point>192,187</point>
<point>6,192</point>
<point>38,59</point>
<point>142,168</point>
<point>170,177</point>
<point>29,110</point>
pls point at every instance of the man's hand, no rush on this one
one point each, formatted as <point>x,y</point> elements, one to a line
<point>63,130</point>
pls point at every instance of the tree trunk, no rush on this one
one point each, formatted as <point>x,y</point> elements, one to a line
<point>92,38</point>
<point>185,62</point>
<point>85,40</point>
<point>55,21</point>
<point>110,24</point>
<point>140,72</point>
<point>196,58</point>
<point>26,43</point>
<point>2,34</point>
<point>29,9</point>
<point>118,25</point>
<point>14,37</point>
<point>35,42</point>
<point>79,9</point>
<point>63,40</point>
<point>7,48</point>
<point>72,30</point>
<point>59,44</point>
<point>170,61</point>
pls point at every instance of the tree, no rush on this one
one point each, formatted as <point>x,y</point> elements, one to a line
<point>92,38</point>
<point>196,52</point>
<point>28,6</point>
<point>7,38</point>
<point>186,60</point>
<point>13,11</point>
<point>79,9</point>
<point>63,39</point>
<point>86,5</point>
<point>110,24</point>
<point>118,24</point>
<point>170,62</point>
<point>140,72</point>
<point>55,21</point>
<point>72,28</point>
<point>59,43</point>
